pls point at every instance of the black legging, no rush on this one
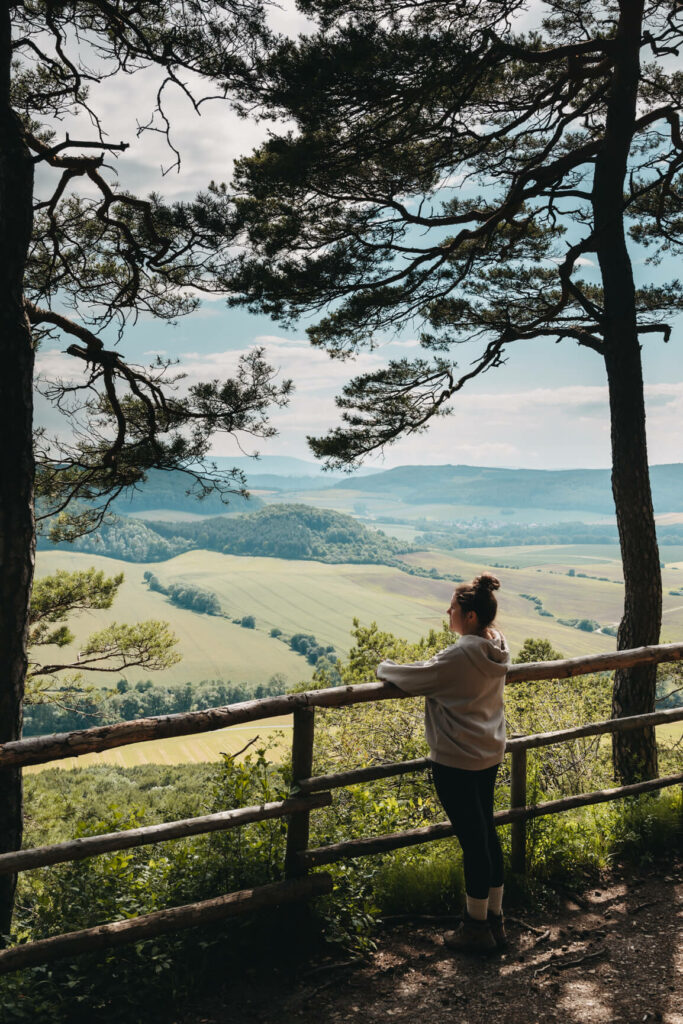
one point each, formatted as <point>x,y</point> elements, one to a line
<point>467,799</point>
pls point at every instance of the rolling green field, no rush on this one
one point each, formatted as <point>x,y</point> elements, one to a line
<point>563,555</point>
<point>323,599</point>
<point>542,571</point>
<point>170,515</point>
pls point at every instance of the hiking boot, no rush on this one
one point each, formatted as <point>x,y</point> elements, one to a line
<point>496,923</point>
<point>471,936</point>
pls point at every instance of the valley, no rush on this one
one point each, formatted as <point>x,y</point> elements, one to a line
<point>399,582</point>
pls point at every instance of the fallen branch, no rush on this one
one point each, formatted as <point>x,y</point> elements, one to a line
<point>337,966</point>
<point>525,924</point>
<point>562,965</point>
<point>644,906</point>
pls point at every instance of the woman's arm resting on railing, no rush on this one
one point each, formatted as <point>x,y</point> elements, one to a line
<point>421,678</point>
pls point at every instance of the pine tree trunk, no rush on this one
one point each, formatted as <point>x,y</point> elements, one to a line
<point>635,752</point>
<point>16,453</point>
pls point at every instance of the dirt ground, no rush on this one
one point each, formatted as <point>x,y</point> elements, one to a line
<point>611,955</point>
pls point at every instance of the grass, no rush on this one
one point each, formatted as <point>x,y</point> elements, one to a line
<point>542,570</point>
<point>670,733</point>
<point>171,515</point>
<point>570,555</point>
<point>211,648</point>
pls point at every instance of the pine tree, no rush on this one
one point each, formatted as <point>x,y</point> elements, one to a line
<point>445,163</point>
<point>81,258</point>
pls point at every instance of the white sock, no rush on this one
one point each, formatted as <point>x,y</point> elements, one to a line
<point>477,909</point>
<point>496,900</point>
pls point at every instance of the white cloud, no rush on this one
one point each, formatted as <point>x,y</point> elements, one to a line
<point>541,427</point>
<point>312,370</point>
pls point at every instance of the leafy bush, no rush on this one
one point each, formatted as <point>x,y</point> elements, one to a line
<point>306,644</point>
<point>186,595</point>
<point>587,625</point>
<point>142,982</point>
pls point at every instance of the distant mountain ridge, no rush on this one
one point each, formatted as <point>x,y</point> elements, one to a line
<point>168,490</point>
<point>282,466</point>
<point>586,489</point>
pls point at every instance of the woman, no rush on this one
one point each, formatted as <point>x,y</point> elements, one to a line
<point>465,730</point>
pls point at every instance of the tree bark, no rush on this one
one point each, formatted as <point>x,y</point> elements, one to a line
<point>635,753</point>
<point>17,535</point>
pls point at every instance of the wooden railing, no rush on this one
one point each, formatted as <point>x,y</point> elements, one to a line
<point>308,793</point>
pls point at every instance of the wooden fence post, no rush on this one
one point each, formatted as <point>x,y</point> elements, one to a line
<point>518,799</point>
<point>303,735</point>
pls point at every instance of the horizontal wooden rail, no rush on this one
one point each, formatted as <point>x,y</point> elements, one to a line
<point>413,837</point>
<point>120,932</point>
<point>566,668</point>
<point>546,739</point>
<point>42,749</point>
<point>356,775</point>
<point>541,739</point>
<point>91,846</point>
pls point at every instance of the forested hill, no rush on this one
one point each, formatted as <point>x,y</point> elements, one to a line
<point>276,531</point>
<point>585,489</point>
<point>290,531</point>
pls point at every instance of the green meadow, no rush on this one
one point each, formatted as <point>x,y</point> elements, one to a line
<point>322,599</point>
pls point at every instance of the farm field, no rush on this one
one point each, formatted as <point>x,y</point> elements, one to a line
<point>170,515</point>
<point>542,571</point>
<point>208,746</point>
<point>670,733</point>
<point>323,600</point>
<point>211,648</point>
<point>575,556</point>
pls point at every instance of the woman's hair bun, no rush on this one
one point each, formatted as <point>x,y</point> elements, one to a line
<point>487,581</point>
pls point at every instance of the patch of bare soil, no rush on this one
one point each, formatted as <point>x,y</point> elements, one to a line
<point>609,955</point>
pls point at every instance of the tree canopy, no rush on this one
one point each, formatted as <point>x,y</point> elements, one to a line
<point>81,259</point>
<point>100,256</point>
<point>119,646</point>
<point>454,167</point>
<point>442,171</point>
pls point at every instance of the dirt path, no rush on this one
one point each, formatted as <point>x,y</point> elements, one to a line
<point>611,955</point>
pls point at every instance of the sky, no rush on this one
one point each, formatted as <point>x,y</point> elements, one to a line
<point>545,409</point>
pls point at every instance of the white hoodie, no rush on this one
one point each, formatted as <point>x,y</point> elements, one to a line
<point>463,686</point>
